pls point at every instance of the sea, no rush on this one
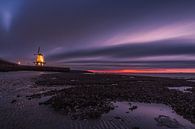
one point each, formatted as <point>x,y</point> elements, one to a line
<point>169,75</point>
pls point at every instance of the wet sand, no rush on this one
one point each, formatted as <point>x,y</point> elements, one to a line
<point>29,92</point>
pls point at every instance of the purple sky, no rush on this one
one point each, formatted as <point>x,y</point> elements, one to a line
<point>100,34</point>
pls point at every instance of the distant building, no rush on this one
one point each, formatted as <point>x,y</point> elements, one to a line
<point>39,59</point>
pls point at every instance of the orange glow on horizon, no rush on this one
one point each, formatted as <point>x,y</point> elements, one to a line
<point>160,70</point>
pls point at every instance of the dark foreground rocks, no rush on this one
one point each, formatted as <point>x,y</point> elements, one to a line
<point>80,104</point>
<point>91,95</point>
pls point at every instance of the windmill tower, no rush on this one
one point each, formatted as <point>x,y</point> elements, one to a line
<point>39,59</point>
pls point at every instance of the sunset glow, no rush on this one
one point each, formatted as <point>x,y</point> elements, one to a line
<point>145,71</point>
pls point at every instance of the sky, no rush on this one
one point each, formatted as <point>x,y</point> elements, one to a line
<point>140,35</point>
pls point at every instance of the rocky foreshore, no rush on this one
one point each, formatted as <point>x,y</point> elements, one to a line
<point>91,95</point>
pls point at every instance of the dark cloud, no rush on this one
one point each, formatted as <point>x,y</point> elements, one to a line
<point>160,48</point>
<point>102,65</point>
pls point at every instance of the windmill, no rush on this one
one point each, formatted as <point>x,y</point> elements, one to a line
<point>39,58</point>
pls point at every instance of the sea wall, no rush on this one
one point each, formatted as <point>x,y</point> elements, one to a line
<point>33,68</point>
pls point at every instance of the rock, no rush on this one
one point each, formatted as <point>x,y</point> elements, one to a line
<point>117,117</point>
<point>18,96</point>
<point>13,101</point>
<point>41,103</point>
<point>135,128</point>
<point>133,108</point>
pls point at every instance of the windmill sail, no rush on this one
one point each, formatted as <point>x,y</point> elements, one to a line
<point>38,50</point>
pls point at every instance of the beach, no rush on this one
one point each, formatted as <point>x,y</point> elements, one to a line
<point>82,100</point>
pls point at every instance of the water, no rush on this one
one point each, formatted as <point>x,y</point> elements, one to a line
<point>183,89</point>
<point>28,114</point>
<point>144,116</point>
<point>170,75</point>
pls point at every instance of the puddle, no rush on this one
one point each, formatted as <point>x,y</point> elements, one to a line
<point>167,121</point>
<point>149,116</point>
<point>191,80</point>
<point>184,89</point>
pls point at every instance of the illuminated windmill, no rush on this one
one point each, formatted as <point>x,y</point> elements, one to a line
<point>39,59</point>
